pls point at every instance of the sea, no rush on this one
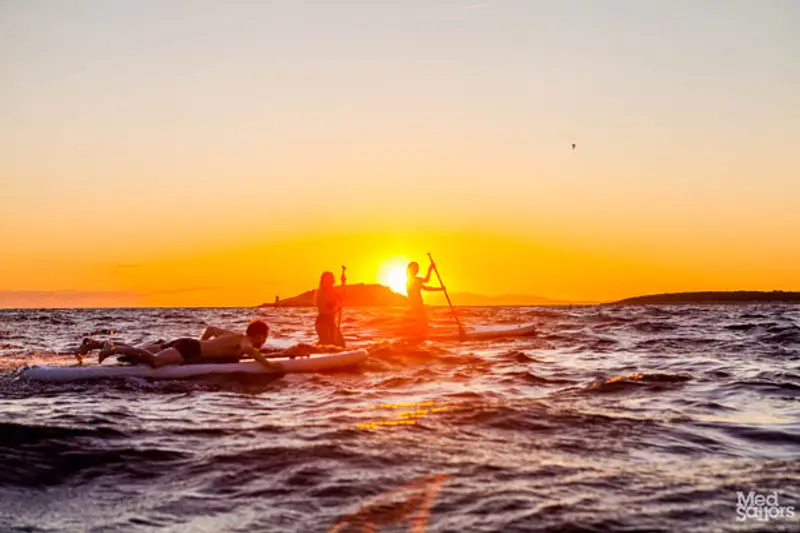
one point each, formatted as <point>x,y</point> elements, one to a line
<point>610,418</point>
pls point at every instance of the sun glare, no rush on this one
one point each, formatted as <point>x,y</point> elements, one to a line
<point>393,275</point>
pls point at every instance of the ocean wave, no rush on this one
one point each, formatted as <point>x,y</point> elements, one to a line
<point>41,456</point>
<point>781,335</point>
<point>654,327</point>
<point>623,418</point>
<point>523,357</point>
<point>17,435</point>
<point>532,378</point>
<point>637,382</point>
<point>765,384</point>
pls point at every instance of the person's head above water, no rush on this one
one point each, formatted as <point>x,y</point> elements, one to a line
<point>326,280</point>
<point>258,331</point>
<point>412,269</point>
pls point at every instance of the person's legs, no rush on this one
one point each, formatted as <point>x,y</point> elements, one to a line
<point>132,352</point>
<point>111,348</point>
<point>154,347</point>
<point>324,330</point>
<point>338,338</point>
<point>328,332</point>
<point>168,356</point>
<point>419,327</point>
<point>159,358</point>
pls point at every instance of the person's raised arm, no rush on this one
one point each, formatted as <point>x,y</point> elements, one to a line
<point>432,289</point>
<point>212,332</point>
<point>427,277</point>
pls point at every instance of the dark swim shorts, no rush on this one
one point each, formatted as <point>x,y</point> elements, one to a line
<point>188,348</point>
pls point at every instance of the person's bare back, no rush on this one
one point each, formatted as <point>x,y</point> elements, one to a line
<point>228,347</point>
<point>218,343</point>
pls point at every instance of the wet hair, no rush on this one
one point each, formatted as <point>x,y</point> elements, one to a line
<point>412,268</point>
<point>257,328</point>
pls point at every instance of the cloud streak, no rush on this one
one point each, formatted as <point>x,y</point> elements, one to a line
<point>184,290</point>
<point>64,299</point>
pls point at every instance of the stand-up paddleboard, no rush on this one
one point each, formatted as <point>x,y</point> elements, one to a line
<point>480,333</point>
<point>315,363</point>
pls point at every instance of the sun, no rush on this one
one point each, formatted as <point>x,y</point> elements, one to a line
<point>396,280</point>
<point>393,274</point>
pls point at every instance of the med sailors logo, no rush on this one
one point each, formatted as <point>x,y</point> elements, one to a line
<point>761,507</point>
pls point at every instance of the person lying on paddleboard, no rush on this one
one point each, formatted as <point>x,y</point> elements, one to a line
<point>216,345</point>
<point>329,302</point>
<point>414,287</point>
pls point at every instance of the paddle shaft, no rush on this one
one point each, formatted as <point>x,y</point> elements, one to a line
<point>344,292</point>
<point>447,296</point>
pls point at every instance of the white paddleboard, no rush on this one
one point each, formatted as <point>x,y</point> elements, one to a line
<point>486,333</point>
<point>315,363</point>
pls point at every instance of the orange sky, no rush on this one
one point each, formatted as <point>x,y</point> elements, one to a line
<point>185,155</point>
<point>238,272</point>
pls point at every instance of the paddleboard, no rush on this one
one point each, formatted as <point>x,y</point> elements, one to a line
<point>485,333</point>
<point>315,363</point>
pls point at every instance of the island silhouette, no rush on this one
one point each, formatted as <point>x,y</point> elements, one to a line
<point>713,297</point>
<point>376,295</point>
<point>358,295</point>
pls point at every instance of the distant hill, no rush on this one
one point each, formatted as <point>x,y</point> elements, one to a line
<point>714,297</point>
<point>358,295</point>
<point>375,295</point>
<point>480,300</point>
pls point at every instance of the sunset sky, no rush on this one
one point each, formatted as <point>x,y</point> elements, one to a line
<point>221,153</point>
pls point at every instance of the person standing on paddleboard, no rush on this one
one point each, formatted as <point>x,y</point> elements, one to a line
<point>414,287</point>
<point>329,302</point>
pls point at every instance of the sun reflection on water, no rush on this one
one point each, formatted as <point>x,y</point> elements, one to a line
<point>402,414</point>
<point>408,504</point>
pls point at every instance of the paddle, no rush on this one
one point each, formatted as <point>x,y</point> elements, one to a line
<point>343,280</point>
<point>462,335</point>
